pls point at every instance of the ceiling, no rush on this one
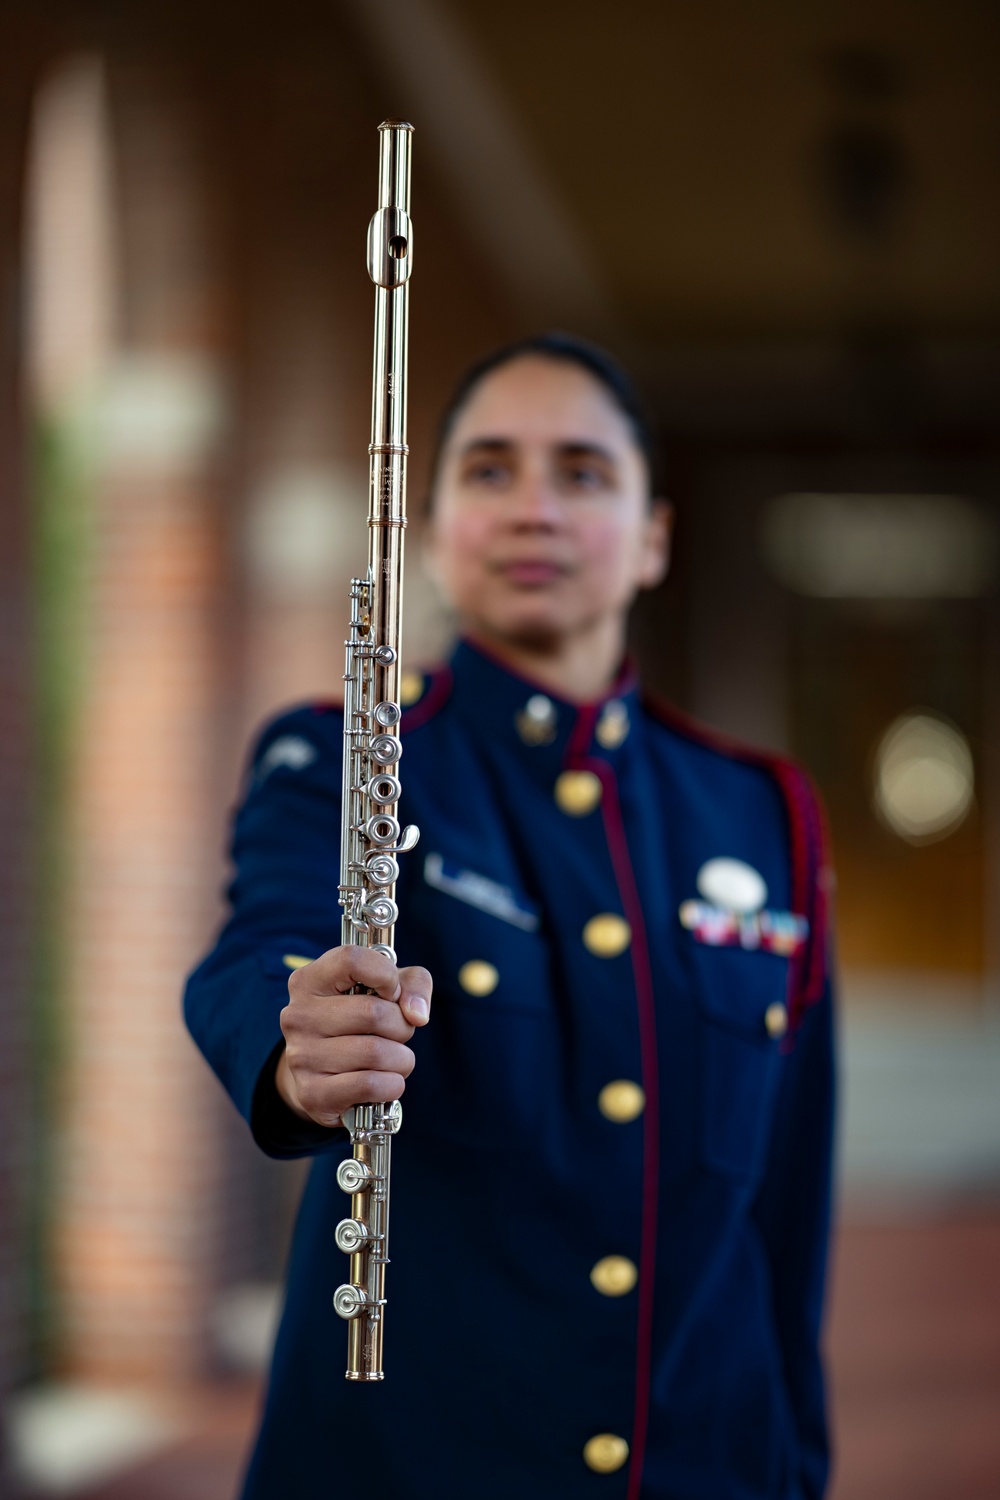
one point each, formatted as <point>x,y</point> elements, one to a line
<point>669,175</point>
<point>772,170</point>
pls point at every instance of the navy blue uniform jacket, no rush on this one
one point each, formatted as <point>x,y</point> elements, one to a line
<point>514,1174</point>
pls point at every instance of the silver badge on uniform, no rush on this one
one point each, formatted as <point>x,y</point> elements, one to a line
<point>477,890</point>
<point>732,884</point>
<point>288,750</point>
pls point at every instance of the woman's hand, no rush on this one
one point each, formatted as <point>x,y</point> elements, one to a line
<point>343,1049</point>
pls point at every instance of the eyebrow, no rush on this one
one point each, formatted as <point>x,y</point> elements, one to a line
<point>575,449</point>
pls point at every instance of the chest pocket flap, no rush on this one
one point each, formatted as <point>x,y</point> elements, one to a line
<point>742,999</point>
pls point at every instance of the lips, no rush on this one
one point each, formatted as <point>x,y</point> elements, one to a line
<point>531,572</point>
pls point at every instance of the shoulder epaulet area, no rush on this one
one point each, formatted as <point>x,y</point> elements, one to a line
<point>297,717</point>
<point>689,728</point>
<point>294,736</point>
<point>294,739</point>
<point>809,846</point>
<point>423,695</point>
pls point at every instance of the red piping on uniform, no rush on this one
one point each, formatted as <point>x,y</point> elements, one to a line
<point>811,874</point>
<point>621,860</point>
<point>580,737</point>
<point>434,699</point>
<point>802,968</point>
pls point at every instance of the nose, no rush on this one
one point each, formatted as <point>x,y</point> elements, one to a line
<point>534,507</point>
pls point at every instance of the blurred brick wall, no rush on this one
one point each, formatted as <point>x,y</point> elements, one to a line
<point>136,1230</point>
<point>137,1227</point>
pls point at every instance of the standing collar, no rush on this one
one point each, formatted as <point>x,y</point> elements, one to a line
<point>529,718</point>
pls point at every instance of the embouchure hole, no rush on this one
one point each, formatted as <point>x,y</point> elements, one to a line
<point>397,247</point>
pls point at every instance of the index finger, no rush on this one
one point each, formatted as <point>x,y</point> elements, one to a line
<point>339,970</point>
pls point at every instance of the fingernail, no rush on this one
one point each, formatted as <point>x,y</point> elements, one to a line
<point>417,1006</point>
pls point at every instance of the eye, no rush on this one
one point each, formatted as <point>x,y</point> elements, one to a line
<point>585,476</point>
<point>486,473</point>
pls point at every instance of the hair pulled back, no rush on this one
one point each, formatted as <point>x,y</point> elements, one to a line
<point>568,349</point>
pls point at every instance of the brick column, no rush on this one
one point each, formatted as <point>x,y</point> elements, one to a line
<point>137,1229</point>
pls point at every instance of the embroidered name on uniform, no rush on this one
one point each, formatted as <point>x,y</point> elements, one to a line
<point>779,932</point>
<point>289,750</point>
<point>477,890</point>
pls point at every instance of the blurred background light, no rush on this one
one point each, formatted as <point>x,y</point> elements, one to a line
<point>304,525</point>
<point>923,777</point>
<point>880,546</point>
<point>163,411</point>
<point>68,1436</point>
<point>70,260</point>
<point>244,1321</point>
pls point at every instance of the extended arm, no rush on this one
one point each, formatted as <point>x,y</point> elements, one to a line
<point>291,1063</point>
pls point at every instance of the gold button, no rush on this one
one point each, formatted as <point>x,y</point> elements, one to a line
<point>776,1020</point>
<point>604,1453</point>
<point>614,1276</point>
<point>411,688</point>
<point>607,935</point>
<point>613,725</point>
<point>295,961</point>
<point>477,977</point>
<point>578,792</point>
<point>621,1101</point>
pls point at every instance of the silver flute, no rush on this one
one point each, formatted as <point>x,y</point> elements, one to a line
<point>371,836</point>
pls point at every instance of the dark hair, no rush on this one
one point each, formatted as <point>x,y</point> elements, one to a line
<point>573,351</point>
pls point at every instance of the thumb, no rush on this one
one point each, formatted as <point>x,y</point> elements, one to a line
<point>415,988</point>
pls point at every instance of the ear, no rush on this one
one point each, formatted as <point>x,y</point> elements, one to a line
<point>654,560</point>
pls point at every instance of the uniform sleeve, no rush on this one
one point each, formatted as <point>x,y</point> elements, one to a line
<point>283,902</point>
<point>793,1213</point>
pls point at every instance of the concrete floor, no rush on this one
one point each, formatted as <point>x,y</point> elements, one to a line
<point>915,1354</point>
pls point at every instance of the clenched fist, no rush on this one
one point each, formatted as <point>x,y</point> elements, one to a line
<point>343,1049</point>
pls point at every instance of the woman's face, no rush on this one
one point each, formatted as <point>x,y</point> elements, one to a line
<point>542,526</point>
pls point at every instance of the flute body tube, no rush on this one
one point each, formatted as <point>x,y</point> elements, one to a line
<point>371,837</point>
